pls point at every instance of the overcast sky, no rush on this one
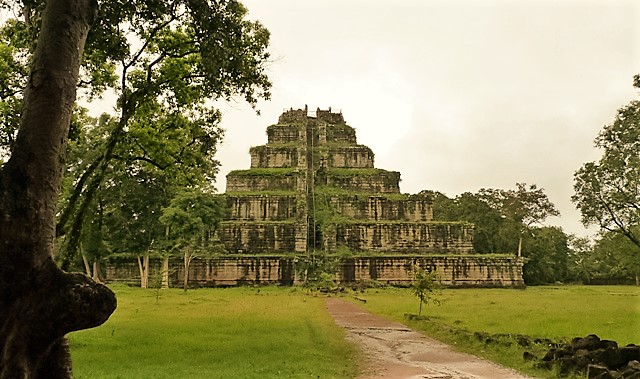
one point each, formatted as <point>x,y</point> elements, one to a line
<point>456,95</point>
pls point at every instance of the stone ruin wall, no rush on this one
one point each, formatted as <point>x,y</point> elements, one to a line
<point>350,157</point>
<point>283,134</point>
<point>274,157</point>
<point>288,156</point>
<point>248,183</point>
<point>384,182</point>
<point>378,208</point>
<point>262,237</point>
<point>261,207</point>
<point>455,271</point>
<point>407,237</point>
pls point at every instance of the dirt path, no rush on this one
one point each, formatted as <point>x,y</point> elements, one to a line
<point>395,351</point>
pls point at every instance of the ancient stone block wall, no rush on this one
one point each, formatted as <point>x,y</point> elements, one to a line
<point>313,188</point>
<point>350,157</point>
<point>339,134</point>
<point>274,156</point>
<point>378,208</point>
<point>261,207</point>
<point>455,271</point>
<point>283,134</point>
<point>407,237</point>
<point>330,117</point>
<point>253,183</point>
<point>374,182</point>
<point>258,237</point>
<point>241,270</point>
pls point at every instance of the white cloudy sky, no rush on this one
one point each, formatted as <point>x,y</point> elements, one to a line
<point>457,95</point>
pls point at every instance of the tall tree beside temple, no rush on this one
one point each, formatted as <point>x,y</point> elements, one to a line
<point>166,61</point>
<point>39,303</point>
<point>524,207</point>
<point>607,192</point>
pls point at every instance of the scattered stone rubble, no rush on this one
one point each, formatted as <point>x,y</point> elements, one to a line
<point>598,359</point>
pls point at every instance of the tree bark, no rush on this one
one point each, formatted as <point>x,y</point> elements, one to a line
<point>520,247</point>
<point>187,264</point>
<point>143,265</point>
<point>165,272</point>
<point>87,267</point>
<point>96,271</point>
<point>39,303</point>
<point>165,264</point>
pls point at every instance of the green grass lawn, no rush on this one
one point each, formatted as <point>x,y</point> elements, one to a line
<point>557,313</point>
<point>274,332</point>
<point>215,333</point>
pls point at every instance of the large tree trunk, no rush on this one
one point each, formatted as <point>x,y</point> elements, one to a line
<point>39,303</point>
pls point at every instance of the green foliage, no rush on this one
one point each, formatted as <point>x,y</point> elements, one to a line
<point>192,216</point>
<point>166,62</point>
<point>547,256</point>
<point>526,205</point>
<point>489,226</point>
<point>13,76</point>
<point>251,333</point>
<point>280,147</point>
<point>581,267</point>
<point>505,221</point>
<point>522,207</point>
<point>318,272</point>
<point>134,208</point>
<point>617,257</point>
<point>425,286</point>
<point>607,192</point>
<point>325,215</point>
<point>611,258</point>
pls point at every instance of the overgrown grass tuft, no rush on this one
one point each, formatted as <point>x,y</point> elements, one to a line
<point>245,332</point>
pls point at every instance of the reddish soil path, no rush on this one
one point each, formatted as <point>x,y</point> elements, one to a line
<point>394,351</point>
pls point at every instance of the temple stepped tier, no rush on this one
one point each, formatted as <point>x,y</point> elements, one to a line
<point>313,187</point>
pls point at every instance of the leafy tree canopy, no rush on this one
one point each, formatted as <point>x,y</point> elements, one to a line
<point>607,192</point>
<point>500,216</point>
<point>166,63</point>
<point>192,215</point>
<point>547,256</point>
<point>616,257</point>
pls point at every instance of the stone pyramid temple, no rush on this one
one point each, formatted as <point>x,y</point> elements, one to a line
<point>313,187</point>
<point>312,191</point>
